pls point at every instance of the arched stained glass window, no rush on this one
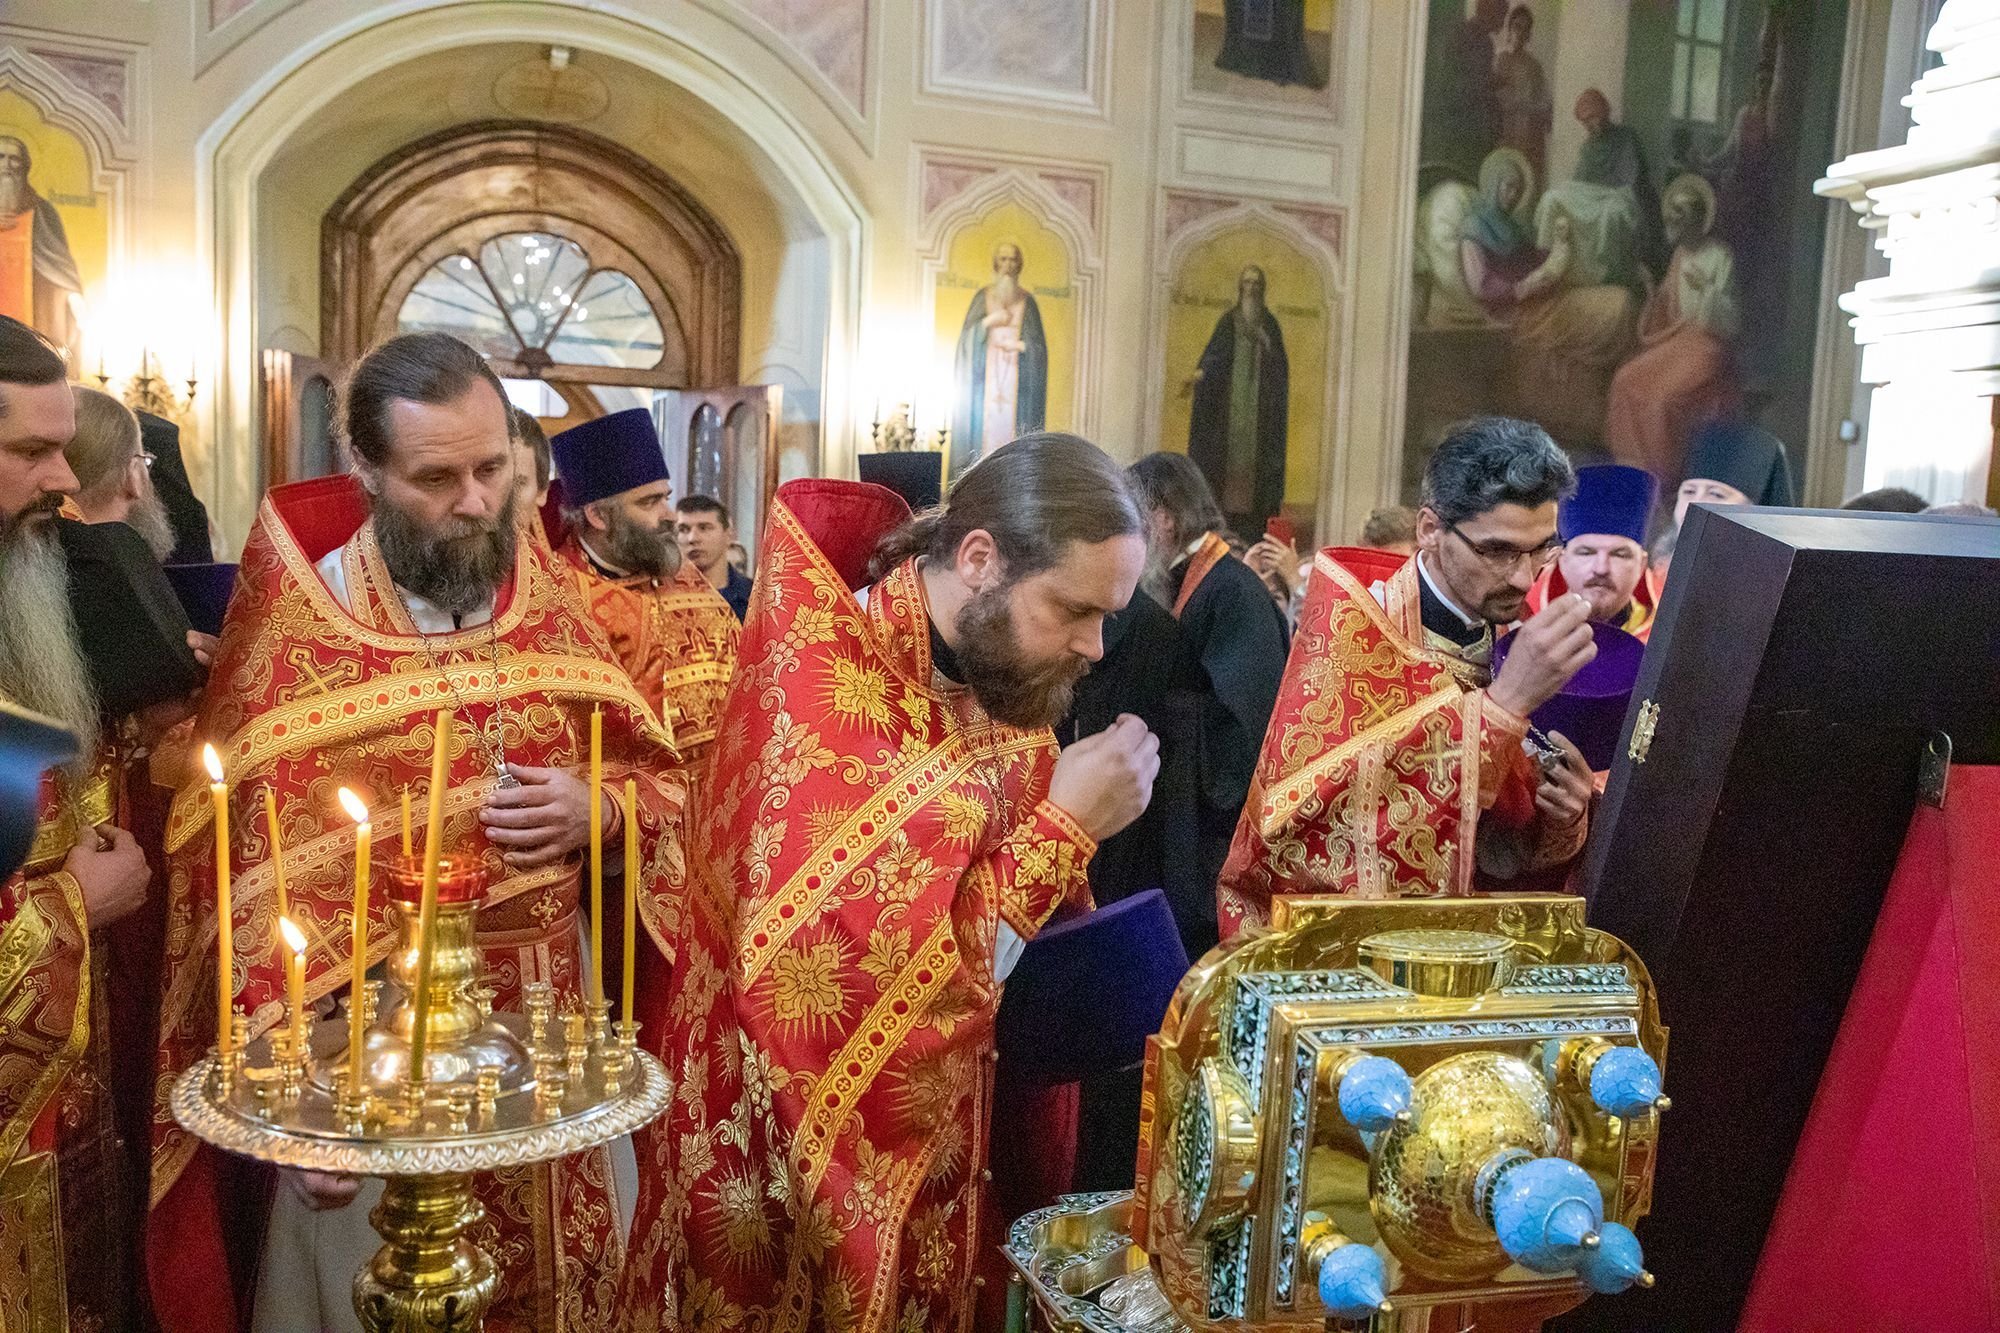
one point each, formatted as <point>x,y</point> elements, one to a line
<point>536,299</point>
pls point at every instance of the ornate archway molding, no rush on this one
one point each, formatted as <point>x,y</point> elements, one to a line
<point>233,153</point>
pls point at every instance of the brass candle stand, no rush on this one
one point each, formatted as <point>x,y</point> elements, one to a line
<point>496,1090</point>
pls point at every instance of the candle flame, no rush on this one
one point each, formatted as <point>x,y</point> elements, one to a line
<point>351,803</point>
<point>295,939</point>
<point>212,762</point>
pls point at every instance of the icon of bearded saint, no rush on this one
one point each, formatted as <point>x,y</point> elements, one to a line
<point>39,281</point>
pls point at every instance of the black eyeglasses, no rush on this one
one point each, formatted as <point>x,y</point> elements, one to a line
<point>1502,558</point>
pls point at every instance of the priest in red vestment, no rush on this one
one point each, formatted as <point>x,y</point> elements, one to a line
<point>1603,528</point>
<point>365,604</point>
<point>666,622</point>
<point>1395,764</point>
<point>81,873</point>
<point>888,823</point>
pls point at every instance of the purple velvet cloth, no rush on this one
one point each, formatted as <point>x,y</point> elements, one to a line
<point>1590,710</point>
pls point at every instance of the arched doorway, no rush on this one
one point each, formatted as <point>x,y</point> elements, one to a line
<point>564,257</point>
<point>304,126</point>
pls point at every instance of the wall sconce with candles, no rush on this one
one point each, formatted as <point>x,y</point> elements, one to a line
<point>150,389</point>
<point>898,434</point>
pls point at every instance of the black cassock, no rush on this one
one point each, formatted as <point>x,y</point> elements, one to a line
<point>1141,646</point>
<point>1206,685</point>
<point>1228,662</point>
<point>1141,654</point>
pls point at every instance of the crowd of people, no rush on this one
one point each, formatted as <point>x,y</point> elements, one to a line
<point>862,781</point>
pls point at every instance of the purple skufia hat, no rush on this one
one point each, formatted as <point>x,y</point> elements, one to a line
<point>608,456</point>
<point>204,592</point>
<point>1590,710</point>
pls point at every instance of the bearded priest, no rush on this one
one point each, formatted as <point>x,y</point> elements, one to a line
<point>81,874</point>
<point>666,622</point>
<point>888,823</point>
<point>365,604</point>
<point>1397,762</point>
<point>1603,527</point>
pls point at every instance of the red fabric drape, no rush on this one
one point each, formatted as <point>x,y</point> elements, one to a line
<point>1890,1217</point>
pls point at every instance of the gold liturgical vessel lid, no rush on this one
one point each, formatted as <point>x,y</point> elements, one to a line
<point>1439,964</point>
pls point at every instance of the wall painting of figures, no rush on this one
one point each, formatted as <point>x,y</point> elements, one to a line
<point>55,224</point>
<point>1263,50</point>
<point>1616,231</point>
<point>1005,323</point>
<point>1248,363</point>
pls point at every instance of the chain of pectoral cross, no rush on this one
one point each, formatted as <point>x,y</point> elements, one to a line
<point>492,746</point>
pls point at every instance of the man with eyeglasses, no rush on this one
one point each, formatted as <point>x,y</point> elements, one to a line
<point>1397,763</point>
<point>1603,528</point>
<point>114,479</point>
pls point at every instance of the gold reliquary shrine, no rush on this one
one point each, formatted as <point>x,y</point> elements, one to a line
<point>1388,1115</point>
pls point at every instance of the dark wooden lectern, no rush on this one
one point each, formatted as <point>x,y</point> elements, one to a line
<point>1802,664</point>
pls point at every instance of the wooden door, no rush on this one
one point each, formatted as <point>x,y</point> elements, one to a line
<point>300,436</point>
<point>723,443</point>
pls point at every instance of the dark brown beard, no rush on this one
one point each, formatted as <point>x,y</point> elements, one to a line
<point>631,545</point>
<point>458,567</point>
<point>1010,687</point>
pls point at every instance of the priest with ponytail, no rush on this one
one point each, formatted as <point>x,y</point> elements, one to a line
<point>887,822</point>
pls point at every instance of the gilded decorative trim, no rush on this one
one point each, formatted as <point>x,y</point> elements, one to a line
<point>813,884</point>
<point>877,1036</point>
<point>1472,754</point>
<point>328,607</point>
<point>323,720</point>
<point>15,1132</point>
<point>31,1236</point>
<point>1283,805</point>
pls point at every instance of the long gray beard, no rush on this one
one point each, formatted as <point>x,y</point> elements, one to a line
<point>1005,288</point>
<point>41,666</point>
<point>457,568</point>
<point>1157,582</point>
<point>14,195</point>
<point>638,548</point>
<point>148,517</point>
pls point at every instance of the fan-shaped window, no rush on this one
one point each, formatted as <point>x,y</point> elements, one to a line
<point>536,299</point>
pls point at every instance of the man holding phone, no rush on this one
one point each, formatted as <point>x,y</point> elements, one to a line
<point>1397,761</point>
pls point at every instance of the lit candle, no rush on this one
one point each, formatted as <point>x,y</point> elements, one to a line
<point>357,964</point>
<point>597,854</point>
<point>631,889</point>
<point>277,850</point>
<point>428,904</point>
<point>406,821</point>
<point>225,992</point>
<point>295,982</point>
